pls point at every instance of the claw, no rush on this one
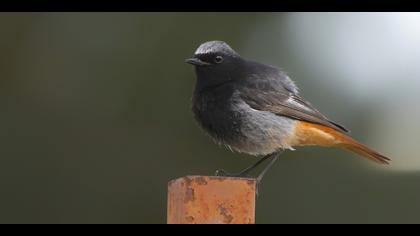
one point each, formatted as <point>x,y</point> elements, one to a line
<point>221,172</point>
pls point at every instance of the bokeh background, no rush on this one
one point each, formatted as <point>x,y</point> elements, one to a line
<point>95,114</point>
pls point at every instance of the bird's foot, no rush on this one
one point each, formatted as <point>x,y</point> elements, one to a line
<point>221,172</point>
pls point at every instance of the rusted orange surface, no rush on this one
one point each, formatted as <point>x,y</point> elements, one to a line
<point>211,200</point>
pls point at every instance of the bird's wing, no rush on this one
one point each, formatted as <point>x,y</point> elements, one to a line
<point>271,95</point>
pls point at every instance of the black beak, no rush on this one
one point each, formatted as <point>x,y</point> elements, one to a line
<point>196,62</point>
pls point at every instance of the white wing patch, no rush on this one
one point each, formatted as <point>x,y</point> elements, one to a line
<point>293,102</point>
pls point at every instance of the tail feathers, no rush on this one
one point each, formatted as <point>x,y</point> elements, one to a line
<point>366,152</point>
<point>314,134</point>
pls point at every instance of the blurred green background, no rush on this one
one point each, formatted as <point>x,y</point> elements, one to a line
<point>95,114</point>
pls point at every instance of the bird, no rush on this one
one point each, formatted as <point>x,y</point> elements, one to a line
<point>257,109</point>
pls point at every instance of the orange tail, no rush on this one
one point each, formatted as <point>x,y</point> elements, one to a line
<point>365,151</point>
<point>313,134</point>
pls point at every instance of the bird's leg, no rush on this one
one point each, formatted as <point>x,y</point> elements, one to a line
<point>246,170</point>
<point>250,168</point>
<point>275,158</point>
<point>264,171</point>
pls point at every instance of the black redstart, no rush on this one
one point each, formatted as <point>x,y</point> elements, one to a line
<point>256,109</point>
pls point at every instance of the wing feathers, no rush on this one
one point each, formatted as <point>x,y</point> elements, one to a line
<point>272,90</point>
<point>287,105</point>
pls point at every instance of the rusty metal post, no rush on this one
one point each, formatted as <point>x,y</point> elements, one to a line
<point>211,200</point>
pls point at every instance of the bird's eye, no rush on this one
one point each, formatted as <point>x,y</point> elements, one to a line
<point>218,59</point>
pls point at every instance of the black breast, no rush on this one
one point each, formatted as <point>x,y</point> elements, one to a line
<point>213,111</point>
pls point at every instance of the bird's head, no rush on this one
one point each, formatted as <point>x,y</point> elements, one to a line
<point>215,63</point>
